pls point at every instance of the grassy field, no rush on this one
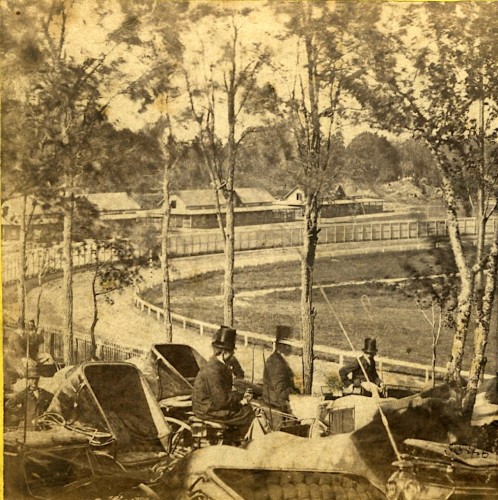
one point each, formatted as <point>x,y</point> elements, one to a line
<point>365,310</point>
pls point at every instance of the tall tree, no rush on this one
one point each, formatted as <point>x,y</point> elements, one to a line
<point>77,83</point>
<point>326,37</point>
<point>417,161</point>
<point>219,91</point>
<point>156,94</point>
<point>443,91</point>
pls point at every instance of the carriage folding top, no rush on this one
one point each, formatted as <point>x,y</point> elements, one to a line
<point>103,420</point>
<point>113,401</point>
<point>170,369</point>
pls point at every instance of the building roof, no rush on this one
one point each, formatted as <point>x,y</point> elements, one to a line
<point>212,210</point>
<point>206,198</point>
<point>108,202</point>
<point>254,195</point>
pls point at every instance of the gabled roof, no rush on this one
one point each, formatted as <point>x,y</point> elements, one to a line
<point>254,195</point>
<point>206,197</point>
<point>107,202</point>
<point>148,200</point>
<point>197,197</point>
<point>294,189</point>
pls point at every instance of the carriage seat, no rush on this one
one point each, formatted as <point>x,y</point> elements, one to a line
<point>214,425</point>
<point>176,402</point>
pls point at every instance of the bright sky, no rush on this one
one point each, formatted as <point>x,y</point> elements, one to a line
<point>204,42</point>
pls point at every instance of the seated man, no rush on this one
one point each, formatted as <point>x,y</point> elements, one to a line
<point>30,403</point>
<point>212,395</point>
<point>278,378</point>
<point>358,379</point>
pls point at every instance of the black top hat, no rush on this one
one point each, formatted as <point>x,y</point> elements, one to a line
<point>284,332</point>
<point>224,338</point>
<point>370,346</point>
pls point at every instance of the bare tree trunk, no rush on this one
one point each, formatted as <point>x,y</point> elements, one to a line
<point>168,326</point>
<point>482,328</point>
<point>38,299</point>
<point>95,319</point>
<point>21,289</point>
<point>67,281</point>
<point>464,304</point>
<point>307,308</point>
<point>228,288</point>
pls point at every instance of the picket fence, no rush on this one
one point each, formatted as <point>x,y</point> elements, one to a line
<point>202,243</point>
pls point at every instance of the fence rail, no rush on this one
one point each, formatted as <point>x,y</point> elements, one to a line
<point>185,245</point>
<point>418,370</point>
<point>106,351</point>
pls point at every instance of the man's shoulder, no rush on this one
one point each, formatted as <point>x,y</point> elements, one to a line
<point>214,363</point>
<point>276,358</point>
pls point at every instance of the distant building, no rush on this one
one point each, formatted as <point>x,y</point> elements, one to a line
<point>47,219</point>
<point>114,206</point>
<point>196,208</point>
<point>336,203</point>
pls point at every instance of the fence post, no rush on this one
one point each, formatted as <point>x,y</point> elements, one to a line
<point>201,329</point>
<point>341,359</point>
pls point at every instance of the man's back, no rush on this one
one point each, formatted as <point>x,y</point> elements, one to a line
<point>278,381</point>
<point>212,393</point>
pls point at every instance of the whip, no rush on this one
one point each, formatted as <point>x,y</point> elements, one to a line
<point>374,393</point>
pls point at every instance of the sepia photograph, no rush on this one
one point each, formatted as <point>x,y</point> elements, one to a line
<point>249,249</point>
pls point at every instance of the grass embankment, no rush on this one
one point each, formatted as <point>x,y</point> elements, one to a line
<point>365,310</point>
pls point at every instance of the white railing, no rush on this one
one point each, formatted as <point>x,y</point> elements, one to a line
<point>184,245</point>
<point>384,363</point>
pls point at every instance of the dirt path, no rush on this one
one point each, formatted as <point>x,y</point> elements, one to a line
<point>121,322</point>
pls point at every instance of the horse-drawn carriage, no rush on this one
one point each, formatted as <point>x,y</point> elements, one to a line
<point>170,370</point>
<point>102,430</point>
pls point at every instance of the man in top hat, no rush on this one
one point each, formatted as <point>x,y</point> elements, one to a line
<point>212,395</point>
<point>358,379</point>
<point>29,403</point>
<point>278,377</point>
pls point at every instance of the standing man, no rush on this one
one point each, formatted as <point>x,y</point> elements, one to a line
<point>278,377</point>
<point>212,395</point>
<point>30,403</point>
<point>358,379</point>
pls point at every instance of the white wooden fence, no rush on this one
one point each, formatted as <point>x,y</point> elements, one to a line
<point>321,351</point>
<point>202,243</point>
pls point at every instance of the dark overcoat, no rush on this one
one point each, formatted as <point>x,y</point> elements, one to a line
<point>278,382</point>
<point>357,376</point>
<point>213,398</point>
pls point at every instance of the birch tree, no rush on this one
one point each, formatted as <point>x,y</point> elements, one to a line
<point>435,78</point>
